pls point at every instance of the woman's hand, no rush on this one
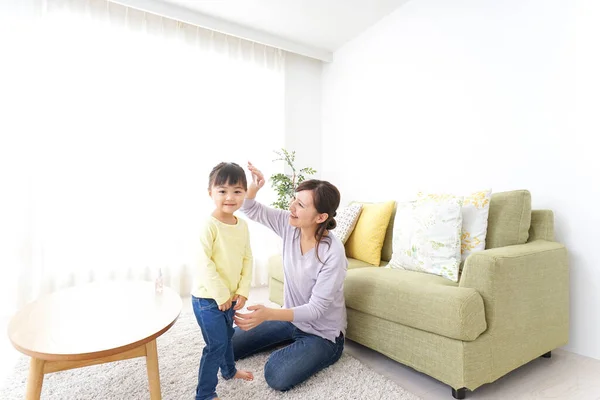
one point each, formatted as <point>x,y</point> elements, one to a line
<point>251,320</point>
<point>258,181</point>
<point>240,302</point>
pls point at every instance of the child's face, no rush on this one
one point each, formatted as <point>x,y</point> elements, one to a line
<point>228,198</point>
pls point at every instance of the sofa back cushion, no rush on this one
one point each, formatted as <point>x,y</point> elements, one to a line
<point>542,225</point>
<point>509,219</point>
<point>386,251</point>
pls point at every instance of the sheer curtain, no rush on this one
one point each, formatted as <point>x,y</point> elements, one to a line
<point>113,119</point>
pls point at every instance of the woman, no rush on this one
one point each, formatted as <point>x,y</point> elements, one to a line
<point>312,322</point>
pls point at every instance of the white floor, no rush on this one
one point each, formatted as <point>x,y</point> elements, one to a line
<point>565,376</point>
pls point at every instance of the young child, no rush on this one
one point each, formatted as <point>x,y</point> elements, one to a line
<point>223,277</point>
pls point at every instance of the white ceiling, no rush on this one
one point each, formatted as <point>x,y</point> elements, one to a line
<point>321,24</point>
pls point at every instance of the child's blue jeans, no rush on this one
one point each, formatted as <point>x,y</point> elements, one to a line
<point>217,331</point>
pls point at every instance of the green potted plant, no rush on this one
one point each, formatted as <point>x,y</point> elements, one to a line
<point>285,184</point>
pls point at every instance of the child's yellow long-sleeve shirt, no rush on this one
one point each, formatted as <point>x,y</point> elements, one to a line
<point>224,265</point>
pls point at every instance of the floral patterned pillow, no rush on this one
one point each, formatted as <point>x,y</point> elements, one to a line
<point>346,221</point>
<point>475,211</point>
<point>427,236</point>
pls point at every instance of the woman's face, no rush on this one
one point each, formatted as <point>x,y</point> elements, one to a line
<point>303,211</point>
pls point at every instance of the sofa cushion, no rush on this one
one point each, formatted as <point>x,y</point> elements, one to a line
<point>354,263</point>
<point>386,250</point>
<point>346,220</point>
<point>475,210</point>
<point>542,225</point>
<point>423,301</point>
<point>276,266</point>
<point>509,219</point>
<point>366,240</point>
<point>427,235</point>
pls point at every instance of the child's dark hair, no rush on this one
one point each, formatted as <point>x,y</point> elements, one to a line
<point>326,198</point>
<point>227,174</point>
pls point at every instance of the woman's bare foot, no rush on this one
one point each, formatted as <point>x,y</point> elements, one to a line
<point>245,375</point>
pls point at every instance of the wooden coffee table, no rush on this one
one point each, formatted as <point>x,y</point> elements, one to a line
<point>94,324</point>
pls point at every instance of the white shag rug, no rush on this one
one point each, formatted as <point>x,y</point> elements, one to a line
<point>179,351</point>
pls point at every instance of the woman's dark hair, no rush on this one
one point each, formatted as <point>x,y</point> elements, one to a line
<point>227,174</point>
<point>326,199</point>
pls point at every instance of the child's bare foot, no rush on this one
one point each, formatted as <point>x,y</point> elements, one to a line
<point>245,375</point>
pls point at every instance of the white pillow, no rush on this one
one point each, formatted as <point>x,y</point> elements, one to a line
<point>346,220</point>
<point>475,211</point>
<point>426,236</point>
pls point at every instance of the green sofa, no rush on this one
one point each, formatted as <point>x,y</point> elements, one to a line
<point>510,306</point>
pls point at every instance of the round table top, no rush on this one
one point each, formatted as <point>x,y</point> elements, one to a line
<point>93,320</point>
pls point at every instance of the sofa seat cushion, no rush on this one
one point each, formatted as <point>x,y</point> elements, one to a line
<point>354,263</point>
<point>422,301</point>
<point>276,266</point>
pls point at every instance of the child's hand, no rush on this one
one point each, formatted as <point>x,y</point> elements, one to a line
<point>225,306</point>
<point>241,302</point>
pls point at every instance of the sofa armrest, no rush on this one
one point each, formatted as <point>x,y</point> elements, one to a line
<point>525,288</point>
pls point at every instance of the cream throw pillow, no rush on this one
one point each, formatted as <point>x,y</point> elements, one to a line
<point>475,211</point>
<point>427,235</point>
<point>346,220</point>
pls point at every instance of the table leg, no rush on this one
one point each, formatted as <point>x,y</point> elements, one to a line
<point>152,367</point>
<point>35,379</point>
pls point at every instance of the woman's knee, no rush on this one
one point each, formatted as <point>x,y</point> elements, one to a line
<point>278,378</point>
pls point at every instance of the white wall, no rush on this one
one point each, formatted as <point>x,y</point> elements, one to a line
<point>463,95</point>
<point>303,110</point>
<point>10,9</point>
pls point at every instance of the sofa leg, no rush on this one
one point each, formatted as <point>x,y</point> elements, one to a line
<point>459,393</point>
<point>547,355</point>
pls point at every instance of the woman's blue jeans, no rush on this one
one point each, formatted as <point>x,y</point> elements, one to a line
<point>217,331</point>
<point>303,356</point>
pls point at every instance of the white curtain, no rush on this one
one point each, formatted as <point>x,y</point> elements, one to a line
<point>112,119</point>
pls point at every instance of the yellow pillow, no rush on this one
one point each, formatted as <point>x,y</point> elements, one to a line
<point>366,240</point>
